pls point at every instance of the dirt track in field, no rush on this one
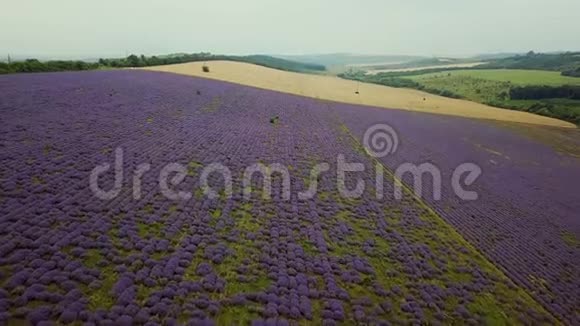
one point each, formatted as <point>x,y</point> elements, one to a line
<point>341,90</point>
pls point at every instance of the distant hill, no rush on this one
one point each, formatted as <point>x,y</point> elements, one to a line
<point>345,59</point>
<point>566,61</point>
<point>325,87</point>
<point>281,64</point>
<point>495,56</point>
<point>421,63</point>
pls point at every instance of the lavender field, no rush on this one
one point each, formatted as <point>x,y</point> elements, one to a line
<point>67,256</point>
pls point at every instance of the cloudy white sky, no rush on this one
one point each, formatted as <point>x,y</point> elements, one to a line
<point>69,28</point>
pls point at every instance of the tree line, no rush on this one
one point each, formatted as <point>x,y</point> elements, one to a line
<point>537,92</point>
<point>567,61</point>
<point>393,80</point>
<point>34,65</point>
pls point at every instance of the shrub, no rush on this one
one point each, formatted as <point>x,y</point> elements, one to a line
<point>572,72</point>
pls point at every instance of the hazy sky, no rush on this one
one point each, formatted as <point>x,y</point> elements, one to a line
<point>428,27</point>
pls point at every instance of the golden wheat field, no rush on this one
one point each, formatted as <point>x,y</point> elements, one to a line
<point>341,90</point>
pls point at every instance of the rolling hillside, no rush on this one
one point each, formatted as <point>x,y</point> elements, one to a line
<point>347,59</point>
<point>341,90</point>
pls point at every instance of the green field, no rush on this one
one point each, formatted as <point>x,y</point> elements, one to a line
<point>513,76</point>
<point>465,86</point>
<point>493,87</point>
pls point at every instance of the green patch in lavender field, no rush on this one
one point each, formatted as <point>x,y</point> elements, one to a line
<point>316,310</point>
<point>37,181</point>
<point>127,252</point>
<point>101,298</point>
<point>312,178</point>
<point>113,234</point>
<point>32,304</point>
<point>323,195</point>
<point>216,213</point>
<point>56,172</point>
<point>143,293</point>
<point>178,237</point>
<point>308,247</point>
<point>158,255</point>
<point>136,265</point>
<point>190,271</point>
<point>238,315</point>
<point>193,167</point>
<point>54,288</point>
<point>381,265</point>
<point>5,274</point>
<point>344,215</point>
<point>222,195</point>
<point>92,257</point>
<point>244,219</point>
<point>487,306</point>
<point>47,149</point>
<point>148,209</point>
<point>177,114</point>
<point>257,280</point>
<point>363,229</point>
<point>451,302</point>
<point>348,201</point>
<point>259,283</point>
<point>513,299</point>
<point>150,229</point>
<point>247,189</point>
<point>199,192</point>
<point>172,208</point>
<point>66,250</point>
<point>458,277</point>
<point>337,249</point>
<point>17,291</point>
<point>570,239</point>
<point>241,250</point>
<point>364,289</point>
